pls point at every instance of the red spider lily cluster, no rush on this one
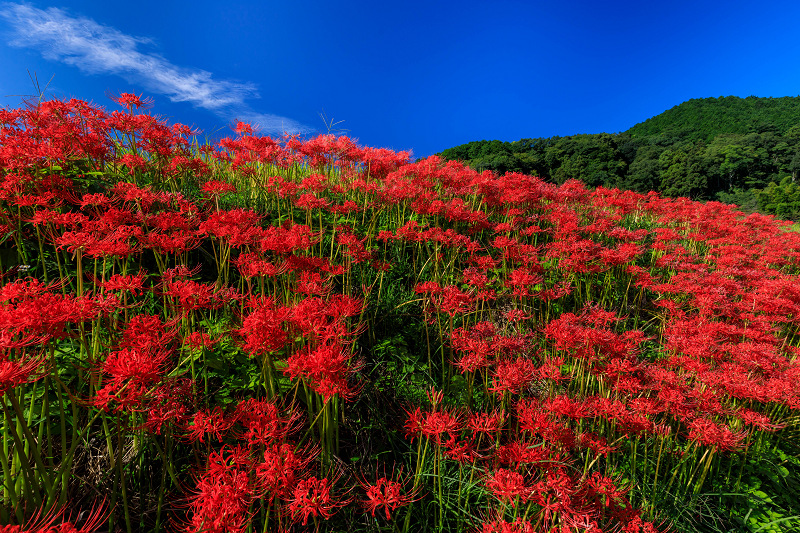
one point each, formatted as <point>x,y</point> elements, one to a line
<point>208,318</point>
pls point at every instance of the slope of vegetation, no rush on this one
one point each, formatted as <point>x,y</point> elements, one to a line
<point>737,150</point>
<point>703,119</point>
<point>309,335</point>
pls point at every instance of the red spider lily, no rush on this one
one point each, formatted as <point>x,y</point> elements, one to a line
<point>119,242</point>
<point>354,247</point>
<point>521,280</point>
<point>192,166</point>
<point>486,422</point>
<point>561,484</point>
<point>13,340</point>
<point>582,522</point>
<point>170,243</point>
<point>475,344</point>
<point>507,485</point>
<point>438,423</point>
<point>512,345</point>
<point>212,422</point>
<point>133,195</point>
<point>324,149</point>
<point>551,369</point>
<point>251,265</point>
<point>427,287</point>
<point>46,314</point>
<point>75,241</point>
<point>310,264</point>
<point>480,281</point>
<point>472,361</point>
<point>501,526</point>
<point>134,162</point>
<point>380,161</point>
<point>385,494</point>
<point>264,328</point>
<point>532,417</point>
<point>512,376</point>
<point>222,497</point>
<point>414,423</point>
<point>607,488</point>
<point>191,295</point>
<point>409,231</point>
<point>142,366</point>
<point>308,201</point>
<point>315,183</point>
<point>130,100</point>
<point>243,128</point>
<point>345,208</point>
<point>587,336</point>
<point>617,411</point>
<point>199,340</point>
<point>36,200</point>
<point>483,262</point>
<point>515,315</point>
<point>312,497</point>
<point>263,421</point>
<point>563,405</point>
<point>130,397</point>
<point>710,434</point>
<point>311,283</point>
<point>168,406</point>
<point>462,451</point>
<point>596,443</point>
<point>758,420</point>
<point>637,525</point>
<point>326,320</point>
<point>146,332</point>
<point>23,289</point>
<point>231,224</point>
<point>517,252</point>
<point>517,453</point>
<point>57,220</point>
<point>167,221</point>
<point>46,523</point>
<point>624,253</point>
<point>326,367</point>
<point>720,284</point>
<point>277,474</point>
<point>53,132</point>
<point>452,300</point>
<point>183,130</point>
<point>15,373</point>
<point>557,291</point>
<point>132,283</point>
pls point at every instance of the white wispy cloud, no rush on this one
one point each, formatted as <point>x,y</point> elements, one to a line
<point>98,49</point>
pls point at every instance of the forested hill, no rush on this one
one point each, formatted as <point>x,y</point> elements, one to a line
<point>702,119</point>
<point>737,150</point>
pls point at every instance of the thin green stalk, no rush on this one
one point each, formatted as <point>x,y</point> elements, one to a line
<point>20,463</point>
<point>37,458</point>
<point>8,478</point>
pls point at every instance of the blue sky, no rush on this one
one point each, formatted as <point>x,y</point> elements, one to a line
<point>419,76</point>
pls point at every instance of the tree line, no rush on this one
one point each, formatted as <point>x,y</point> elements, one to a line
<point>735,150</point>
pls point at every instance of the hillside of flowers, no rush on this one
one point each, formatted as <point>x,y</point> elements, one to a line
<point>304,334</point>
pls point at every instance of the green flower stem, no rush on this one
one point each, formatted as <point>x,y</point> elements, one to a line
<point>9,484</point>
<point>31,445</point>
<point>20,463</point>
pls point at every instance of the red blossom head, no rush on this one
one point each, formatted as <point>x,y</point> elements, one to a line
<point>508,485</point>
<point>312,497</point>
<point>385,494</point>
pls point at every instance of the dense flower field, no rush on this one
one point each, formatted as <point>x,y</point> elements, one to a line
<point>305,334</point>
